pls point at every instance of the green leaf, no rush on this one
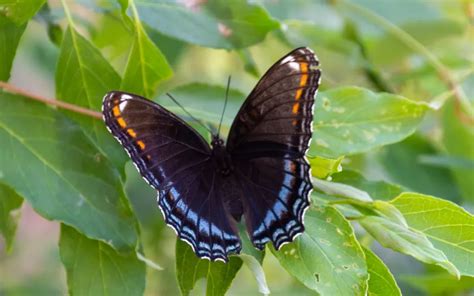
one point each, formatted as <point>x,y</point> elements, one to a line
<point>312,35</point>
<point>257,270</point>
<point>20,11</point>
<point>189,269</point>
<point>10,203</point>
<point>399,237</point>
<point>206,102</point>
<point>94,268</point>
<point>352,120</point>
<point>322,167</point>
<point>376,189</point>
<point>83,77</point>
<point>253,259</point>
<point>10,35</point>
<point>213,24</point>
<point>458,138</point>
<point>445,161</point>
<point>381,280</point>
<point>449,227</point>
<point>146,65</point>
<point>426,32</point>
<point>402,162</point>
<point>327,257</point>
<point>341,190</point>
<point>440,284</point>
<point>48,161</point>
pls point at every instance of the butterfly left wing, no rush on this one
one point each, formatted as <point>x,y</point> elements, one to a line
<point>268,141</point>
<point>176,161</point>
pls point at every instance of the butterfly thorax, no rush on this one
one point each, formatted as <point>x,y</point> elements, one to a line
<point>221,157</point>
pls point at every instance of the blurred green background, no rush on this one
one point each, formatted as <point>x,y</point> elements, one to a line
<point>358,43</point>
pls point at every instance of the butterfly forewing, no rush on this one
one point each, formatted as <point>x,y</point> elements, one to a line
<point>268,141</point>
<point>176,161</point>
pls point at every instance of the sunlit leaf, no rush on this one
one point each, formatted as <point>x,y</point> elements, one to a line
<point>352,120</point>
<point>322,167</point>
<point>212,24</point>
<point>83,77</point>
<point>20,11</point>
<point>10,35</point>
<point>381,280</point>
<point>94,268</point>
<point>48,161</point>
<point>327,257</point>
<point>189,269</point>
<point>449,227</point>
<point>10,203</point>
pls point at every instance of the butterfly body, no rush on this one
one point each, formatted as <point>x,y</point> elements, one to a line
<point>260,175</point>
<point>221,158</point>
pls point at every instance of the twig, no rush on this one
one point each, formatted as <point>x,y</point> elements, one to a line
<point>60,104</point>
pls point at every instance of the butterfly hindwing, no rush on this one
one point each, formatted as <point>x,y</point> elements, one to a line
<point>176,161</point>
<point>268,141</point>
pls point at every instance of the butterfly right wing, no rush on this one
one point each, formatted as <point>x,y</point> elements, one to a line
<point>176,161</point>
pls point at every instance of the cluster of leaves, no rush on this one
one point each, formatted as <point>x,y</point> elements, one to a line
<point>69,168</point>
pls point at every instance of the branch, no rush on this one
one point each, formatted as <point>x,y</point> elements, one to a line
<point>60,104</point>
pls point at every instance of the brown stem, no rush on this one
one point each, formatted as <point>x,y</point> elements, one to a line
<point>60,104</point>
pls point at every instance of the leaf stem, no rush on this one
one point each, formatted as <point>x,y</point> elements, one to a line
<point>60,104</point>
<point>443,72</point>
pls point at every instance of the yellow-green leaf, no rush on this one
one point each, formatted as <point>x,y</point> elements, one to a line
<point>352,120</point>
<point>381,280</point>
<point>448,226</point>
<point>327,257</point>
<point>94,268</point>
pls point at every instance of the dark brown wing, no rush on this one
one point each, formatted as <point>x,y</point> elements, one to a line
<point>176,161</point>
<point>268,141</point>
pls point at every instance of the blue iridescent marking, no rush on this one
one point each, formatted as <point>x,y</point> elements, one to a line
<point>202,245</point>
<point>189,231</point>
<point>204,227</point>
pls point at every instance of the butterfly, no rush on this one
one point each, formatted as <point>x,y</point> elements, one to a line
<point>259,174</point>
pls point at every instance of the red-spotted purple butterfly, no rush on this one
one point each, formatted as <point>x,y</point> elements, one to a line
<point>260,173</point>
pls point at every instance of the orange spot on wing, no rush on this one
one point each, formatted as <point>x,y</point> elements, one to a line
<point>121,122</point>
<point>299,92</point>
<point>132,133</point>
<point>141,144</point>
<point>296,107</point>
<point>303,80</point>
<point>116,111</point>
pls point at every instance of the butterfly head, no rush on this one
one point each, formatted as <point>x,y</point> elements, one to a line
<point>217,142</point>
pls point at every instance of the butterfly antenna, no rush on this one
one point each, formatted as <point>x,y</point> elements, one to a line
<point>186,111</point>
<point>225,105</point>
